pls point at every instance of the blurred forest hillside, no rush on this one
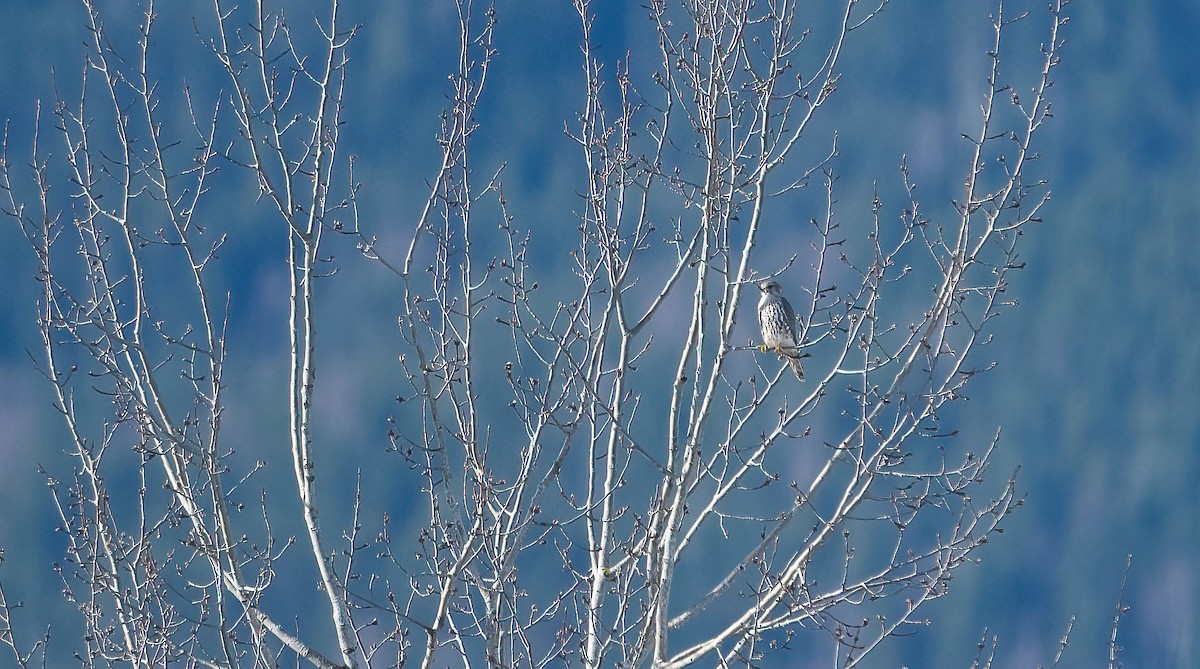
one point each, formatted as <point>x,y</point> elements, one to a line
<point>1097,386</point>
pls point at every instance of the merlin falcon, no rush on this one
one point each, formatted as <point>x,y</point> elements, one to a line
<point>777,322</point>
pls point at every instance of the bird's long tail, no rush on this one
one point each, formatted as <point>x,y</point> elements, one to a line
<point>797,367</point>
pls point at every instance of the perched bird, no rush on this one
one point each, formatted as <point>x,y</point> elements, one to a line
<point>777,322</point>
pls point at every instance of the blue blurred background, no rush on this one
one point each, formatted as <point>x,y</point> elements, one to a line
<point>1098,384</point>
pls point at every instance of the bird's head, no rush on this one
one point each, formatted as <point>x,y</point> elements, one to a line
<point>770,287</point>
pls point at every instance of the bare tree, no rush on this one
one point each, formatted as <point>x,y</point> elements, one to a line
<point>612,474</point>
